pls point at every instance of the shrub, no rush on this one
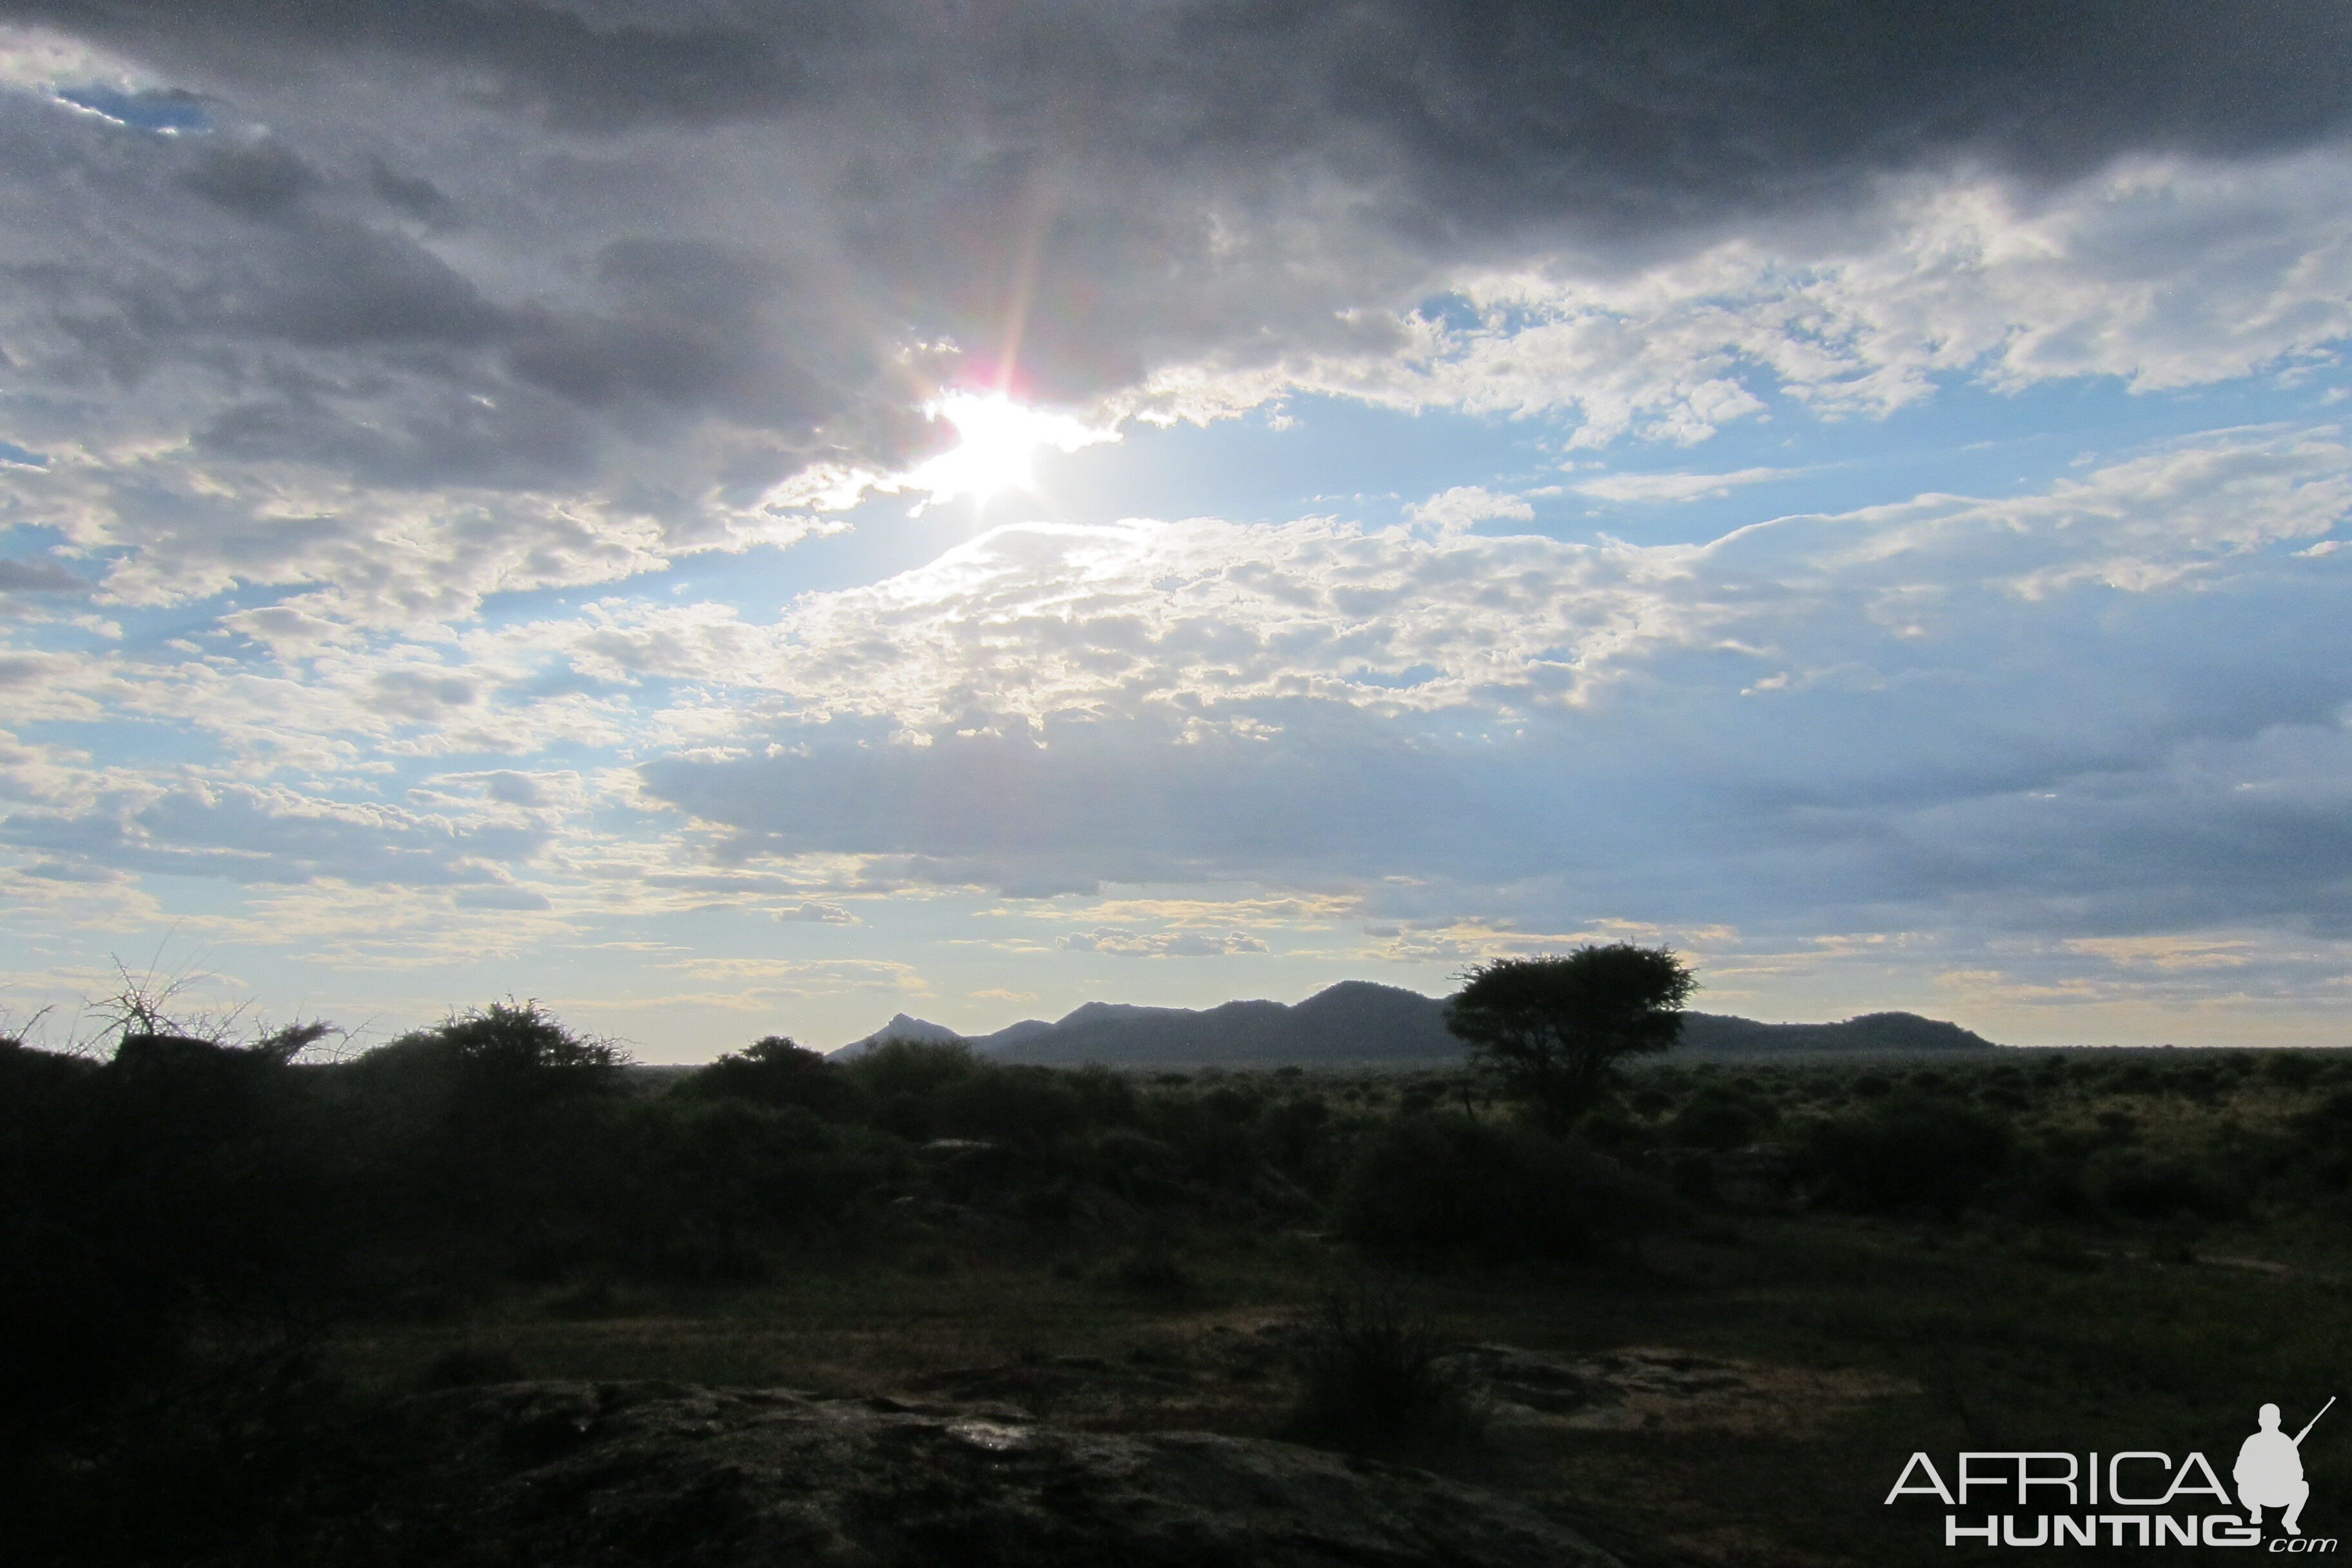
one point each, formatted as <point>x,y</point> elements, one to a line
<point>693,1189</point>
<point>2291,1070</point>
<point>1434,1186</point>
<point>1009,1105</point>
<point>2316,1154</point>
<point>1139,1169</point>
<point>1718,1117</point>
<point>1107,1098</point>
<point>496,1121</point>
<point>1649,1100</point>
<point>920,1068</point>
<point>481,1072</point>
<point>182,1175</point>
<point>1611,1128</point>
<point>776,1072</point>
<point>1908,1154</point>
<point>1371,1382</point>
<point>1297,1136</point>
<point>2158,1187</point>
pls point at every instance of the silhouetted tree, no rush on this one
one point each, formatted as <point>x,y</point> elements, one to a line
<point>1552,1030</point>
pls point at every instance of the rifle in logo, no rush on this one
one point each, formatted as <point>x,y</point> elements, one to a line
<point>2308,1426</point>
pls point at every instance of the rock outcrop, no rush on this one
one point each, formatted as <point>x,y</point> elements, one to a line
<point>666,1476</point>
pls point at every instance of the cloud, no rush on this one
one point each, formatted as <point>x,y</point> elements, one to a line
<point>804,977</point>
<point>500,898</point>
<point>1675,486</point>
<point>38,577</point>
<point>1459,507</point>
<point>1127,943</point>
<point>1808,710</point>
<point>475,300</point>
<point>826,914</point>
<point>337,340</point>
<point>1190,623</point>
<point>1110,800</point>
<point>250,834</point>
<point>1803,721</point>
<point>1945,277</point>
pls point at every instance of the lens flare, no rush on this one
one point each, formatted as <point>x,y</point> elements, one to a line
<point>998,443</point>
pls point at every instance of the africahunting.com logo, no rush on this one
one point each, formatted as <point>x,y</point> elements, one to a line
<point>2135,1497</point>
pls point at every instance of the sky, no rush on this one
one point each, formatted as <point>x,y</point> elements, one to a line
<point>733,518</point>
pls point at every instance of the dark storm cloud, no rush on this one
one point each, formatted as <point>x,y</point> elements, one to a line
<point>580,72</point>
<point>1495,106</point>
<point>262,180</point>
<point>685,324</point>
<point>663,257</point>
<point>1656,109</point>
<point>419,199</point>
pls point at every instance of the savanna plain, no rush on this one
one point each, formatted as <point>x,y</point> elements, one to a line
<point>1706,1324</point>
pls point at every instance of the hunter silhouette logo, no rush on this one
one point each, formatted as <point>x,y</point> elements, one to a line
<point>2136,1497</point>
<point>2269,1472</point>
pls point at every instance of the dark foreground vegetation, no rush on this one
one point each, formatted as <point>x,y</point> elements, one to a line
<point>226,1270</point>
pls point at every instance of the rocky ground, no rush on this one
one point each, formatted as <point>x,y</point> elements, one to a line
<point>588,1475</point>
<point>1057,1460</point>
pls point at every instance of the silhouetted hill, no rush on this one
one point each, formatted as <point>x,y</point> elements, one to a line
<point>1716,1033</point>
<point>1352,1021</point>
<point>1358,1021</point>
<point>903,1026</point>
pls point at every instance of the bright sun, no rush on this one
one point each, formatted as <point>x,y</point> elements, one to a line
<point>1000,439</point>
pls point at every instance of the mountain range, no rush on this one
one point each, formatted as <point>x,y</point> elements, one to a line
<point>1359,1021</point>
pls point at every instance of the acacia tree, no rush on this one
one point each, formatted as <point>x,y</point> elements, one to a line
<point>1552,1030</point>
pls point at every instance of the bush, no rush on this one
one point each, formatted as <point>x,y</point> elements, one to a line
<point>1717,1118</point>
<point>489,1133</point>
<point>1429,1186</point>
<point>2153,1188</point>
<point>1298,1137</point>
<point>482,1075</point>
<point>181,1175</point>
<point>1009,1105</point>
<point>1139,1169</point>
<point>778,1073</point>
<point>2322,1152</point>
<point>1369,1383</point>
<point>700,1189</point>
<point>1614,1129</point>
<point>2291,1070</point>
<point>919,1068</point>
<point>1908,1154</point>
